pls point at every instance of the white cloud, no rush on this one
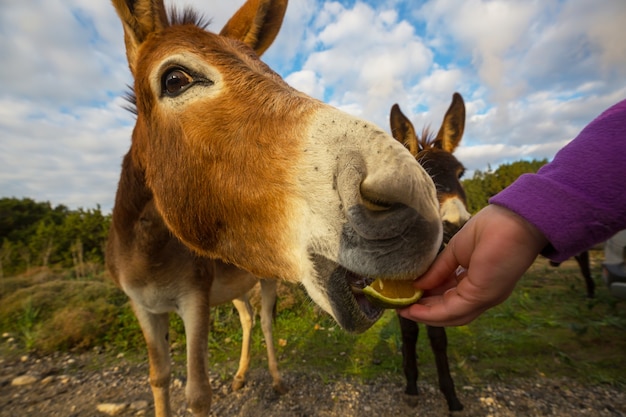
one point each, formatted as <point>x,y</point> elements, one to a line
<point>427,101</point>
<point>307,82</point>
<point>580,43</point>
<point>71,159</point>
<point>519,47</point>
<point>367,58</point>
<point>52,53</point>
<point>294,41</point>
<point>532,73</point>
<point>490,32</point>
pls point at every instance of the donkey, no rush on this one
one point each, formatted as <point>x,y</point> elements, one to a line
<point>177,278</point>
<point>436,156</point>
<point>233,175</point>
<point>246,317</point>
<point>585,269</point>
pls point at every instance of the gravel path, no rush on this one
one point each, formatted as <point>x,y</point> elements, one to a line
<point>68,385</point>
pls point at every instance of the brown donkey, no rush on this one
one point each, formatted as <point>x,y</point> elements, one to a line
<point>435,155</point>
<point>231,170</point>
<point>161,275</point>
<point>246,317</point>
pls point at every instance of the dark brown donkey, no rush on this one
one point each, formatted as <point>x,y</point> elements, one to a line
<point>233,175</point>
<point>585,269</point>
<point>435,155</point>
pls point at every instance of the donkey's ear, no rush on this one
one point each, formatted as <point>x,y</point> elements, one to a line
<point>256,23</point>
<point>139,18</point>
<point>451,131</point>
<point>402,129</point>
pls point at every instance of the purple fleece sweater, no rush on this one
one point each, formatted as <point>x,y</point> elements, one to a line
<point>578,199</point>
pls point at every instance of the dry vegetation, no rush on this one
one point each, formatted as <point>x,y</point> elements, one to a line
<point>546,351</point>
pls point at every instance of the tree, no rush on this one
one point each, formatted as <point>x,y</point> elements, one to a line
<point>17,217</point>
<point>43,242</point>
<point>33,233</point>
<point>484,185</point>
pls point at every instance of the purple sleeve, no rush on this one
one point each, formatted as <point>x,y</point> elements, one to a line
<point>578,199</point>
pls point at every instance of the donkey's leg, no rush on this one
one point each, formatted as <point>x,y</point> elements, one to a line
<point>155,331</point>
<point>268,310</point>
<point>410,331</point>
<point>439,345</point>
<point>246,317</point>
<point>583,262</point>
<point>194,310</point>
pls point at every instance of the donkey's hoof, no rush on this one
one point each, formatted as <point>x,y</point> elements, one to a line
<point>412,400</point>
<point>455,405</point>
<point>238,384</point>
<point>280,388</point>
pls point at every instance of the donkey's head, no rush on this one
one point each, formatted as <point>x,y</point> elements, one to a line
<point>246,169</point>
<point>435,155</point>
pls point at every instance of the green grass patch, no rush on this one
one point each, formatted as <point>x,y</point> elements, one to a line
<point>547,328</point>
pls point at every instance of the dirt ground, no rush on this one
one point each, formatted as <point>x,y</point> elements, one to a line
<point>72,385</point>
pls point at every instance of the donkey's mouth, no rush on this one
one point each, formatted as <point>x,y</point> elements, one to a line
<point>342,290</point>
<point>352,310</point>
<point>357,283</point>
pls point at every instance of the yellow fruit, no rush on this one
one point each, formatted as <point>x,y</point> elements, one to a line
<point>392,293</point>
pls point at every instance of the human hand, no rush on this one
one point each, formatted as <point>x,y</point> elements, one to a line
<point>478,269</point>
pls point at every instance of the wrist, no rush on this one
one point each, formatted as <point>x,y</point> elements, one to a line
<point>530,233</point>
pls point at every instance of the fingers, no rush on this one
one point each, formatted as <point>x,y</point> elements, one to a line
<point>454,307</point>
<point>461,303</point>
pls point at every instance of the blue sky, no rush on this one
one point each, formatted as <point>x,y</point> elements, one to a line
<point>533,74</point>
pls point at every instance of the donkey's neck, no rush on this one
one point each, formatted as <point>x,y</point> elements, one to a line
<point>132,195</point>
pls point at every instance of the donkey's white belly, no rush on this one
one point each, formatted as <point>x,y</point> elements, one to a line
<point>154,298</point>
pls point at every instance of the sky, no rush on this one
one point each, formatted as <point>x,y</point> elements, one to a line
<point>533,73</point>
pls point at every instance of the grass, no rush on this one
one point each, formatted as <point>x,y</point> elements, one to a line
<point>26,323</point>
<point>547,328</point>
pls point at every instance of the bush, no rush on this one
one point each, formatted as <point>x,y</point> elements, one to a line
<point>48,312</point>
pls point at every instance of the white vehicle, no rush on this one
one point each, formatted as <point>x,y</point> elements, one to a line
<point>614,265</point>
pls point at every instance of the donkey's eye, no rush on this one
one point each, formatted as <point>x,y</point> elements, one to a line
<point>175,81</point>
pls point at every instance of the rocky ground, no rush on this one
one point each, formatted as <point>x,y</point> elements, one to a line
<point>92,384</point>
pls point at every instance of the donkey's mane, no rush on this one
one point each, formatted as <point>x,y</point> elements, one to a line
<point>427,138</point>
<point>188,16</point>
